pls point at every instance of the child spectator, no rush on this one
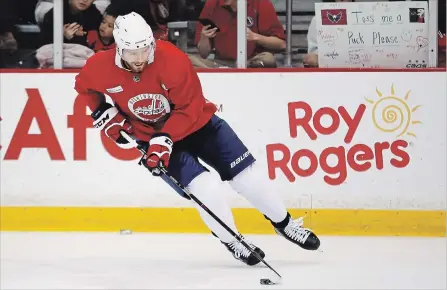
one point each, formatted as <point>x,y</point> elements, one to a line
<point>102,38</point>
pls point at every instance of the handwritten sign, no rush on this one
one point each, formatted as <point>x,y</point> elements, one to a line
<point>373,34</point>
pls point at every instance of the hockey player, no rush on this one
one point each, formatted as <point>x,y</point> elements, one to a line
<point>158,99</point>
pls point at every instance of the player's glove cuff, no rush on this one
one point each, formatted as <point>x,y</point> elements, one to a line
<point>108,119</point>
<point>103,115</point>
<point>162,139</point>
<point>158,153</point>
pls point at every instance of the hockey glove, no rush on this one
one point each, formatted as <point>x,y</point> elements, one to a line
<point>158,153</point>
<point>108,119</point>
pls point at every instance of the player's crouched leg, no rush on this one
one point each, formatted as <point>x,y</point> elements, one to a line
<point>224,151</point>
<point>185,167</point>
<point>249,184</point>
<point>255,189</point>
<point>237,165</point>
<point>207,189</point>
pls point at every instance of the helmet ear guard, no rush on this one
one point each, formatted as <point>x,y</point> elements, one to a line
<point>132,32</point>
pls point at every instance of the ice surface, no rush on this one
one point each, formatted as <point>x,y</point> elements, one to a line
<point>31,260</point>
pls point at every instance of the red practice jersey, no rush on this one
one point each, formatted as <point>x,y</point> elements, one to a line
<point>165,98</point>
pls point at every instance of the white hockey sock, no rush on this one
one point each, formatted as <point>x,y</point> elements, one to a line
<point>248,184</point>
<point>206,189</point>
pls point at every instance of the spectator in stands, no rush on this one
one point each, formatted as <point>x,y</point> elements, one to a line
<point>155,12</point>
<point>8,18</point>
<point>79,17</point>
<point>311,58</point>
<point>102,37</point>
<point>265,34</point>
<point>43,6</point>
<point>160,10</point>
<point>185,10</point>
<point>441,33</point>
<point>442,50</point>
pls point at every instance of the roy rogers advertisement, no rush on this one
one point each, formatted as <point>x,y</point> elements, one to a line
<point>386,131</point>
<point>388,113</point>
<point>378,134</point>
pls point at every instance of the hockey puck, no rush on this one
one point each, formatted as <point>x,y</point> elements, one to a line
<point>266,282</point>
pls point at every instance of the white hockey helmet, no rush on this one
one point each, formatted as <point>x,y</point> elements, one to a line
<point>132,32</point>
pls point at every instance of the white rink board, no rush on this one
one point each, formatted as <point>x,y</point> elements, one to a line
<point>256,106</point>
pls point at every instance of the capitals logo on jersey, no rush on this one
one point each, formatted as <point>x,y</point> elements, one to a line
<point>333,17</point>
<point>149,107</point>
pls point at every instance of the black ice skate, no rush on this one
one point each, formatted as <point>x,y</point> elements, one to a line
<point>241,253</point>
<point>294,231</point>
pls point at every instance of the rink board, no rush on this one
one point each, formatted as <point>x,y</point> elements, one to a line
<point>248,220</point>
<point>359,153</point>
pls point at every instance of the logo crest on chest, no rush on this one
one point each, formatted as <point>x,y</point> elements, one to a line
<point>149,107</point>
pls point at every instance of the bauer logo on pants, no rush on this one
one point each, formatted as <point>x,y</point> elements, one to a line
<point>239,159</point>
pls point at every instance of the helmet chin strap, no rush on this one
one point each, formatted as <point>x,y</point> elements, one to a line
<point>119,62</point>
<point>125,65</point>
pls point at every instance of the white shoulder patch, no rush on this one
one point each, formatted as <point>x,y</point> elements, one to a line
<point>114,90</point>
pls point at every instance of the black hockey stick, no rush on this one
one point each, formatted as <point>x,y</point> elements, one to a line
<point>238,237</point>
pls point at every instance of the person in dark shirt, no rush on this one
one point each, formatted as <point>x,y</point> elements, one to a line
<point>8,17</point>
<point>79,17</point>
<point>155,12</point>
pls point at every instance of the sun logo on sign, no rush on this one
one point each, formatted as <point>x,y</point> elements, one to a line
<point>392,114</point>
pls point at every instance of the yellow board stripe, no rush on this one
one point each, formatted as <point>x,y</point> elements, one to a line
<point>248,220</point>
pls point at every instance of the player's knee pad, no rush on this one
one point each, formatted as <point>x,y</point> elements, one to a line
<point>256,190</point>
<point>246,178</point>
<point>207,189</point>
<point>248,181</point>
<point>203,185</point>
